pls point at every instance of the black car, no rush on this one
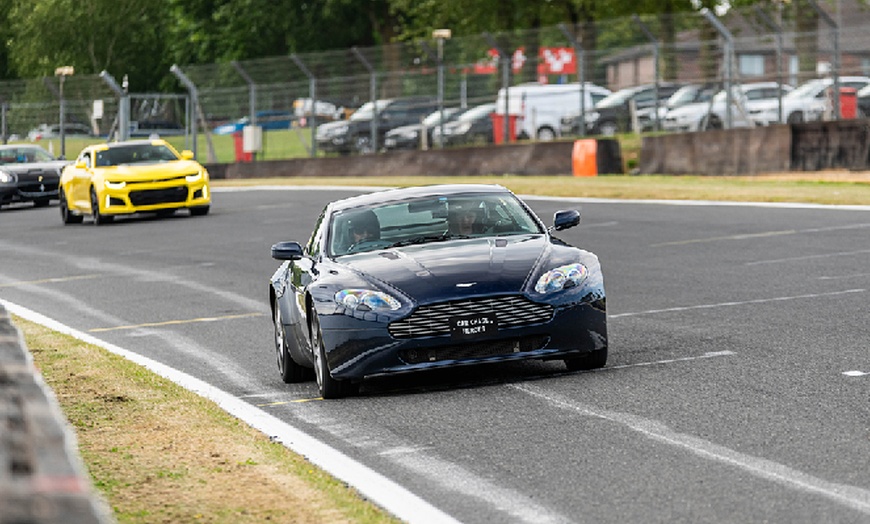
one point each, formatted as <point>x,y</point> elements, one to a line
<point>410,136</point>
<point>28,173</point>
<point>688,94</point>
<point>433,277</point>
<point>355,133</point>
<point>472,127</point>
<point>612,114</point>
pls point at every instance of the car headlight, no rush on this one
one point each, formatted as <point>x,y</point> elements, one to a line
<point>115,185</point>
<point>6,178</point>
<point>562,277</point>
<point>194,177</point>
<point>366,300</point>
<point>338,131</point>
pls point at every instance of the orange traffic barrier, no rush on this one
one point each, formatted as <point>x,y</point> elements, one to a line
<point>584,161</point>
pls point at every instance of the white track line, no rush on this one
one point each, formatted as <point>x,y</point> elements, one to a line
<point>380,490</point>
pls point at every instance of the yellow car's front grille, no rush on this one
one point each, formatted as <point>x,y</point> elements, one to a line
<point>151,197</point>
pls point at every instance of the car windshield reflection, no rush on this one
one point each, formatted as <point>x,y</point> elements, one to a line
<point>135,154</point>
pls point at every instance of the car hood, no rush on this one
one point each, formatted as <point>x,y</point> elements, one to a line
<point>466,267</point>
<point>146,171</point>
<point>35,167</point>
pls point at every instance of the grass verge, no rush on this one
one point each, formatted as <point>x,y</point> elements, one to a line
<point>841,188</point>
<point>159,453</point>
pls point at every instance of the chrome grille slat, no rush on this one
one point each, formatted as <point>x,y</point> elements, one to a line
<point>432,320</point>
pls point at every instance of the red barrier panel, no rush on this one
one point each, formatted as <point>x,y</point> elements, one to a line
<point>498,127</point>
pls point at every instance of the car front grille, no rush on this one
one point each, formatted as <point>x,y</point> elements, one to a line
<point>434,320</point>
<point>489,348</point>
<point>159,196</point>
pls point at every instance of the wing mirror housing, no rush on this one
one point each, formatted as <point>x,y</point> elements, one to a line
<point>187,154</point>
<point>565,219</point>
<point>287,251</point>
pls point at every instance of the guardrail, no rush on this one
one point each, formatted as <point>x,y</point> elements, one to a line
<point>42,478</point>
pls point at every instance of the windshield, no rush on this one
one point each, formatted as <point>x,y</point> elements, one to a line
<point>24,155</point>
<point>133,154</point>
<point>683,95</point>
<point>366,112</point>
<point>435,117</point>
<point>476,112</point>
<point>429,219</point>
<point>616,99</point>
<point>810,89</point>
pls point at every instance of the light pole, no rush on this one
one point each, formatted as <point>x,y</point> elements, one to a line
<point>441,35</point>
<point>63,72</point>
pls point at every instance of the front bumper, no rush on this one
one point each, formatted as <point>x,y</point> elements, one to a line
<point>358,348</point>
<point>154,196</point>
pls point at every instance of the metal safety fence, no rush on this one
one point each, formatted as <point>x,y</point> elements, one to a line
<point>783,43</point>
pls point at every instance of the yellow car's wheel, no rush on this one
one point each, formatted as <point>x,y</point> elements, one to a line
<point>99,218</point>
<point>65,214</point>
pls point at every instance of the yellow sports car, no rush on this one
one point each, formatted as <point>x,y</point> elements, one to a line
<point>135,176</point>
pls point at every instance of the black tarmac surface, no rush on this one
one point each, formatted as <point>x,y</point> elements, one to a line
<point>737,390</point>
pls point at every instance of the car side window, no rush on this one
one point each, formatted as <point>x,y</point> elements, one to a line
<point>85,158</point>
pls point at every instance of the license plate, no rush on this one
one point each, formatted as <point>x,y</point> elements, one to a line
<point>473,326</point>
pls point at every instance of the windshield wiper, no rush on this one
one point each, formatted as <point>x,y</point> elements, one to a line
<point>428,238</point>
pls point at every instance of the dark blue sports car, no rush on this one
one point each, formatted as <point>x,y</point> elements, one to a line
<point>433,277</point>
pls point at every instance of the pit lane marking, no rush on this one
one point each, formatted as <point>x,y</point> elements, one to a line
<point>52,280</point>
<point>856,373</point>
<point>176,322</point>
<point>729,304</point>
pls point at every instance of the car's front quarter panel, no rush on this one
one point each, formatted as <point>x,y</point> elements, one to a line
<point>171,185</point>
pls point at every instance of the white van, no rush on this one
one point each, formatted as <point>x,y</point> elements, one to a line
<point>539,107</point>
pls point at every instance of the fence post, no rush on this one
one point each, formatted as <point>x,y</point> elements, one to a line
<point>312,93</point>
<point>252,95</point>
<point>729,51</point>
<point>778,30</point>
<point>655,44</point>
<point>579,55</point>
<point>836,66</point>
<point>505,61</point>
<point>373,86</point>
<point>123,105</point>
<point>195,110</point>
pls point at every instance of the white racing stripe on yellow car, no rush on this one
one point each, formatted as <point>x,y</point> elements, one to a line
<point>850,496</point>
<point>176,322</point>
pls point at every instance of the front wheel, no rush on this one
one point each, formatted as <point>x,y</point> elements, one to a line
<point>65,214</point>
<point>329,387</point>
<point>545,134</point>
<point>99,218</point>
<point>594,360</point>
<point>291,372</point>
<point>608,128</point>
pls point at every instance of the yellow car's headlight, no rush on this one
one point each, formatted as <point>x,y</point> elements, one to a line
<point>194,178</point>
<point>115,185</point>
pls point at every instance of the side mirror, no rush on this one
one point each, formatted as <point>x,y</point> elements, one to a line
<point>565,219</point>
<point>287,251</point>
<point>187,154</point>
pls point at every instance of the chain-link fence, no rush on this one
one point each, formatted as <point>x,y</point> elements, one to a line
<point>785,43</point>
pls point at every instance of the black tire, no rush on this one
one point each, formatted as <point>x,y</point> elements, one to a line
<point>608,128</point>
<point>65,214</point>
<point>594,360</point>
<point>546,134</point>
<point>795,118</point>
<point>199,211</point>
<point>711,122</point>
<point>329,387</point>
<point>99,218</point>
<point>291,372</point>
<point>40,202</point>
<point>363,145</point>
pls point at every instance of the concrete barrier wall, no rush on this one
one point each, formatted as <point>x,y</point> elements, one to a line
<point>831,145</point>
<point>42,479</point>
<point>718,152</point>
<point>539,158</point>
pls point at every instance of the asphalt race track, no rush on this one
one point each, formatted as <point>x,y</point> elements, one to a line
<point>737,390</point>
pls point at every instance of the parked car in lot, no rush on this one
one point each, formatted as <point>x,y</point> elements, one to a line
<point>713,114</point>
<point>410,136</point>
<point>268,120</point>
<point>864,102</point>
<point>354,134</point>
<point>807,103</point>
<point>539,108</point>
<point>433,277</point>
<point>688,94</point>
<point>122,178</point>
<point>44,131</point>
<point>28,173</point>
<point>612,114</point>
<point>472,127</point>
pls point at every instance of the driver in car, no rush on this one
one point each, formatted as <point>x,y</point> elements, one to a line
<point>363,227</point>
